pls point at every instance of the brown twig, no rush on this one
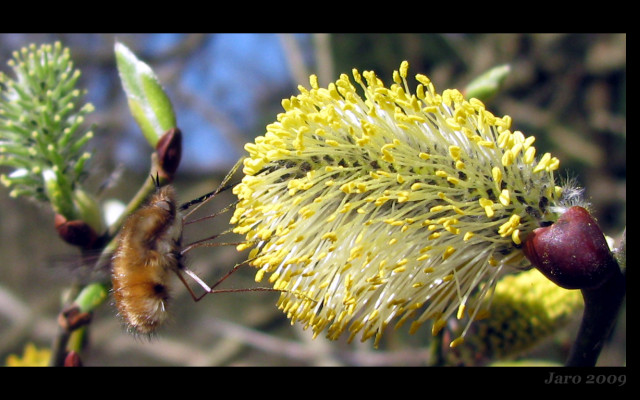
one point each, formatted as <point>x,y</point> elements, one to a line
<point>602,306</point>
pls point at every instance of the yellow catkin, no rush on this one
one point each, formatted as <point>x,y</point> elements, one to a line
<point>375,201</point>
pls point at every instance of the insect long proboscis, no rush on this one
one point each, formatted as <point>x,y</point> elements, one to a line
<point>150,247</point>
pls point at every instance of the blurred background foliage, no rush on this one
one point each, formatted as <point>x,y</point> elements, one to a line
<point>569,90</point>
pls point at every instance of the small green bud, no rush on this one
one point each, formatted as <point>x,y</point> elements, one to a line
<point>88,209</point>
<point>148,102</point>
<point>59,193</point>
<point>91,297</point>
<point>487,85</point>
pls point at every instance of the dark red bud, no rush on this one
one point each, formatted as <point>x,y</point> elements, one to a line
<point>169,149</point>
<point>75,232</point>
<point>72,360</point>
<point>572,252</point>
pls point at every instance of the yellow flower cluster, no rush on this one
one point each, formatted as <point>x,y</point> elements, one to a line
<point>388,205</point>
<point>526,309</point>
<point>32,357</point>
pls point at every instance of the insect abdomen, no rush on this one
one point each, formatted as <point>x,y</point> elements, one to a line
<point>142,302</point>
<point>148,250</point>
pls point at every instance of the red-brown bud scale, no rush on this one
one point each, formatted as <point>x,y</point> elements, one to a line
<point>572,252</point>
<point>169,149</point>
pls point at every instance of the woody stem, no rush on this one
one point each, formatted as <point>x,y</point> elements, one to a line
<point>602,305</point>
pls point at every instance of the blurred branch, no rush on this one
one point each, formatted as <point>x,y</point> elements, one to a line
<point>293,53</point>
<point>324,58</point>
<point>227,128</point>
<point>23,320</point>
<point>303,352</point>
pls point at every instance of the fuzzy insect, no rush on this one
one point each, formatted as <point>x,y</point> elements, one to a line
<point>150,250</point>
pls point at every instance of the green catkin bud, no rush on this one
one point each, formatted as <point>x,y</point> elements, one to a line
<point>40,114</point>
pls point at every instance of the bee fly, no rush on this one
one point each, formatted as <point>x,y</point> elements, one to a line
<point>150,250</point>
